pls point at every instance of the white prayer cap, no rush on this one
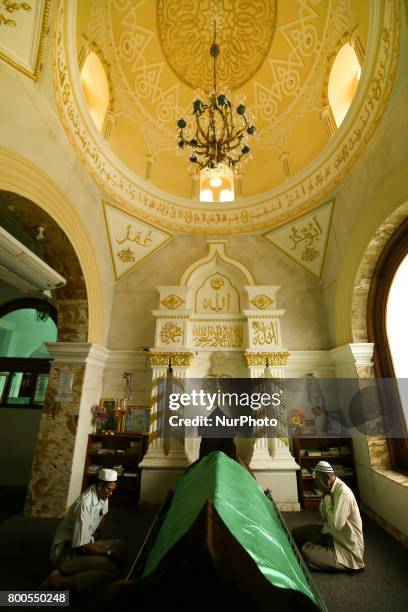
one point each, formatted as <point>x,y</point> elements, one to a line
<point>107,475</point>
<point>324,467</point>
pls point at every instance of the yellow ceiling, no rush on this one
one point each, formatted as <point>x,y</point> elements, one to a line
<point>275,54</point>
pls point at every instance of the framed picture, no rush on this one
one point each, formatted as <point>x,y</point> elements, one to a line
<point>137,419</point>
<point>110,404</point>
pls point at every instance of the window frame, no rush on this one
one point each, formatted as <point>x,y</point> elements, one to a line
<point>395,250</point>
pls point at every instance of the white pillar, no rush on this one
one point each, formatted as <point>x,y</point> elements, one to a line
<point>277,473</point>
<point>155,455</point>
<point>177,456</point>
<point>161,470</point>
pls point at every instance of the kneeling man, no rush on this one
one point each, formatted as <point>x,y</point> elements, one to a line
<point>337,544</point>
<point>83,561</point>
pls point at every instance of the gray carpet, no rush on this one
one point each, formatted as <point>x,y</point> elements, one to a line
<point>381,587</point>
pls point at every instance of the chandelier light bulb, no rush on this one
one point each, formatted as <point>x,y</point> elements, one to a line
<point>215,181</point>
<point>217,135</point>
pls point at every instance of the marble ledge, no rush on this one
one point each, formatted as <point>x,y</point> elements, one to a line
<point>397,477</point>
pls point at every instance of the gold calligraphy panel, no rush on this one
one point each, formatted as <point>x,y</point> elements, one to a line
<point>170,333</point>
<point>217,294</point>
<point>218,335</point>
<point>264,333</point>
<point>130,239</point>
<point>305,239</point>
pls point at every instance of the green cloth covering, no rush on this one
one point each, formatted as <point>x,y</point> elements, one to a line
<point>245,510</point>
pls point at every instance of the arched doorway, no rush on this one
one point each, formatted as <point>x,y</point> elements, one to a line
<point>28,412</point>
<point>25,324</point>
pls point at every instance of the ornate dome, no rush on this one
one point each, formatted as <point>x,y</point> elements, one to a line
<point>277,55</point>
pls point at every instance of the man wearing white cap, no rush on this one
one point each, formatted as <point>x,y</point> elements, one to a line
<point>337,544</point>
<point>82,561</point>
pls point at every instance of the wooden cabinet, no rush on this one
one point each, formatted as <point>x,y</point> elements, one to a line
<point>309,451</point>
<point>122,452</point>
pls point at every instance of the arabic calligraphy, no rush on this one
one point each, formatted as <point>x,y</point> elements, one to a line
<point>137,238</point>
<point>170,332</point>
<point>307,235</point>
<point>217,303</point>
<point>217,336</point>
<point>126,255</point>
<point>12,7</point>
<point>264,333</point>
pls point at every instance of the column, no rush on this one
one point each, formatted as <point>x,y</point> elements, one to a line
<point>177,454</point>
<point>161,469</point>
<point>74,385</point>
<point>155,454</point>
<point>277,473</point>
<point>261,458</point>
<point>326,115</point>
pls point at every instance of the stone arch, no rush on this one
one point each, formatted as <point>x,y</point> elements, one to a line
<point>377,221</point>
<point>388,209</point>
<point>19,176</point>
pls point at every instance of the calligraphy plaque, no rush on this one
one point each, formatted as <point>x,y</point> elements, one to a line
<point>217,334</point>
<point>305,239</point>
<point>130,239</point>
<point>217,295</point>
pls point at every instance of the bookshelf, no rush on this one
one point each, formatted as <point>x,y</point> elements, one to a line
<point>309,451</point>
<point>122,452</point>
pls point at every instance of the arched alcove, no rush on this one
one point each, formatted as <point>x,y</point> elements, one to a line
<point>96,88</point>
<point>343,82</point>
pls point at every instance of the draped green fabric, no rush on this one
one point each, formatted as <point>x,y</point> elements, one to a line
<point>245,510</point>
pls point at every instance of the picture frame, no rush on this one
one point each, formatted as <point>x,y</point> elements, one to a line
<point>110,403</point>
<point>137,419</point>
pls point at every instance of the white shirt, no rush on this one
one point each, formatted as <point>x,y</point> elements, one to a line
<point>342,521</point>
<point>79,524</point>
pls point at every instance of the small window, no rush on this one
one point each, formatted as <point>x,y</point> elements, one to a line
<point>397,329</point>
<point>96,88</point>
<point>23,333</point>
<point>343,82</point>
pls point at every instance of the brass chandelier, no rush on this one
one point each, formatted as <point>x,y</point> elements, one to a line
<point>220,136</point>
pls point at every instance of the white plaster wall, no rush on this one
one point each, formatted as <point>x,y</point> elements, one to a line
<point>303,325</point>
<point>385,155</point>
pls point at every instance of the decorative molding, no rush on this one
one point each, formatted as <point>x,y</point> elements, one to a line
<point>162,358</point>
<point>217,251</point>
<point>172,301</point>
<point>263,359</point>
<point>78,353</point>
<point>245,39</point>
<point>39,53</point>
<point>261,301</point>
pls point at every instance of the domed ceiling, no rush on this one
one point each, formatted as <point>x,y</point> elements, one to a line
<point>276,55</point>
